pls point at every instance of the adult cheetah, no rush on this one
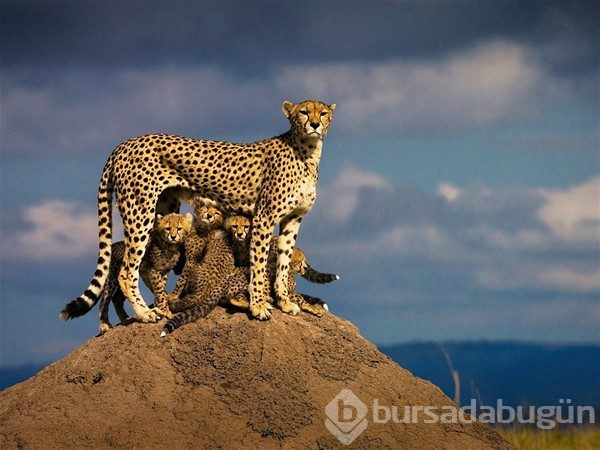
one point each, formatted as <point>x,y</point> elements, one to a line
<point>273,180</point>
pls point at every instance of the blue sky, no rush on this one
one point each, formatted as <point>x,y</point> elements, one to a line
<point>460,182</point>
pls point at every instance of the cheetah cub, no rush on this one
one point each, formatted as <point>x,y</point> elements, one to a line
<point>208,217</point>
<point>239,227</point>
<point>162,254</point>
<point>205,275</point>
<point>232,287</point>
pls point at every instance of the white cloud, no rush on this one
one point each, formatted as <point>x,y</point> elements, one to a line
<point>519,240</point>
<point>448,191</point>
<point>342,195</point>
<point>127,103</point>
<point>558,275</point>
<point>56,230</point>
<point>569,278</point>
<point>494,82</point>
<point>491,83</point>
<point>574,214</point>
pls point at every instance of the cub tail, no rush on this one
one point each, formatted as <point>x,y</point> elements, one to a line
<point>192,314</point>
<point>314,276</point>
<point>86,301</point>
<point>315,301</point>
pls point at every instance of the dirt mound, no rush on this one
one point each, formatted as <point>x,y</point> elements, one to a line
<point>225,382</point>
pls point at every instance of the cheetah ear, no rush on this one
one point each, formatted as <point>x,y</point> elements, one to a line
<point>332,107</point>
<point>189,218</point>
<point>287,108</point>
<point>196,202</point>
<point>159,217</point>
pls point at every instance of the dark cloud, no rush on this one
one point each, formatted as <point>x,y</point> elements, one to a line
<point>253,35</point>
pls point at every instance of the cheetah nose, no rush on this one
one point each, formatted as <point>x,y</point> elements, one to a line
<point>315,125</point>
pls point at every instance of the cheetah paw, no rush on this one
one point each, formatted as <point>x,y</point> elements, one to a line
<point>261,310</point>
<point>315,310</point>
<point>289,307</point>
<point>162,313</point>
<point>241,303</point>
<point>146,315</point>
<point>104,327</point>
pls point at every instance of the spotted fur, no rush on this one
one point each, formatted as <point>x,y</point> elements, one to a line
<point>204,274</point>
<point>232,285</point>
<point>164,251</point>
<point>239,227</point>
<point>273,180</point>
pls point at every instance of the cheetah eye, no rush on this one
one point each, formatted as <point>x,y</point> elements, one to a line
<point>323,113</point>
<point>304,113</point>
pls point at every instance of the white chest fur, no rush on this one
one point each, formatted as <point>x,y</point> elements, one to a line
<point>306,192</point>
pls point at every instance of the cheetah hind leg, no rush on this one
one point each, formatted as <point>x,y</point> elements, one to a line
<point>307,307</point>
<point>129,286</point>
<point>119,304</point>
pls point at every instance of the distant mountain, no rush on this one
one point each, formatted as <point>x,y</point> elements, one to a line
<point>518,373</point>
<point>14,375</point>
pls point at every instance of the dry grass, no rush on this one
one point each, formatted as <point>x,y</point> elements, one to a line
<point>525,438</point>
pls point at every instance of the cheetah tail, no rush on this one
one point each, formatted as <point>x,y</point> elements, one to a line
<point>192,314</point>
<point>315,301</point>
<point>313,276</point>
<point>86,301</point>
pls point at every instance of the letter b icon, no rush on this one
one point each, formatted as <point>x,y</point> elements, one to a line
<point>346,416</point>
<point>346,413</point>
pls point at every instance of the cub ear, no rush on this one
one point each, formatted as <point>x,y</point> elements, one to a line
<point>332,107</point>
<point>189,218</point>
<point>159,217</point>
<point>196,202</point>
<point>287,108</point>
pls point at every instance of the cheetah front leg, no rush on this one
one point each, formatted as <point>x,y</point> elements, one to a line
<point>107,295</point>
<point>158,284</point>
<point>194,246</point>
<point>285,245</point>
<point>258,288</point>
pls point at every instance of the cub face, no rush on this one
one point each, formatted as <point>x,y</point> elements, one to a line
<point>298,262</point>
<point>207,212</point>
<point>174,227</point>
<point>209,215</point>
<point>309,118</point>
<point>238,227</point>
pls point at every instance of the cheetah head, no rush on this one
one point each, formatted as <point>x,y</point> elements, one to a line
<point>238,227</point>
<point>174,228</point>
<point>298,262</point>
<point>310,118</point>
<point>207,212</point>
